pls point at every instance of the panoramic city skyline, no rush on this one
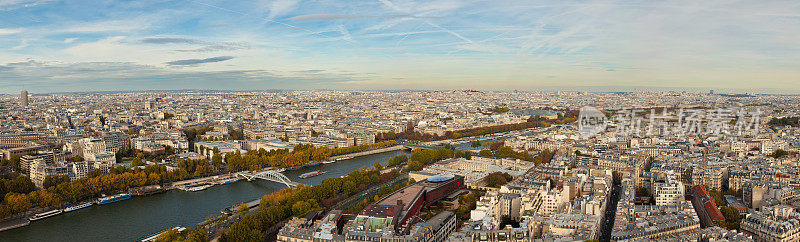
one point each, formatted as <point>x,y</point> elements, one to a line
<point>69,46</point>
<point>399,120</point>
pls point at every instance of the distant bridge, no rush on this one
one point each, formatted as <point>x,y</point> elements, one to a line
<point>424,147</point>
<point>269,175</point>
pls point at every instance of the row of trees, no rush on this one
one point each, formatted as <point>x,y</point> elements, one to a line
<point>17,184</point>
<point>386,136</point>
<point>301,154</point>
<point>420,158</point>
<point>359,148</point>
<point>791,121</point>
<point>19,196</point>
<point>196,234</point>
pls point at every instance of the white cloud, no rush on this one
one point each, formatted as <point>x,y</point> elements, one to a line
<point>10,31</point>
<point>69,40</point>
<point>126,25</point>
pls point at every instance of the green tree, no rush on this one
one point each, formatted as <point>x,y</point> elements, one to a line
<point>301,208</point>
<point>467,155</point>
<point>476,143</point>
<point>137,162</point>
<point>216,160</point>
<point>717,198</point>
<point>398,160</point>
<point>169,235</point>
<point>349,187</point>
<point>18,202</point>
<point>197,234</point>
<point>242,208</point>
<point>50,181</point>
<point>498,179</point>
<point>732,217</point>
<point>779,153</point>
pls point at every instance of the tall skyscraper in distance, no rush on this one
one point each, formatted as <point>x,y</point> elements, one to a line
<point>23,96</point>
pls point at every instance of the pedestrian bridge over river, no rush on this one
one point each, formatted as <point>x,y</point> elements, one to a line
<point>269,175</point>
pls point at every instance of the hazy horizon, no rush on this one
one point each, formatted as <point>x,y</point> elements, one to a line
<point>553,89</point>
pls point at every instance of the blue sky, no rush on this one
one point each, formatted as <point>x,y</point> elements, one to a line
<point>55,45</point>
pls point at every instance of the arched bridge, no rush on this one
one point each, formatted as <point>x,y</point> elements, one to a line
<point>269,175</point>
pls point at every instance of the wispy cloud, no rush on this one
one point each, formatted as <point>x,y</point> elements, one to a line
<point>509,43</point>
<point>167,40</point>
<point>10,31</point>
<point>16,4</point>
<point>324,17</point>
<point>219,47</point>
<point>126,25</point>
<point>345,33</point>
<point>110,76</point>
<point>342,16</point>
<point>206,46</point>
<point>279,7</point>
<point>22,45</point>
<point>191,62</point>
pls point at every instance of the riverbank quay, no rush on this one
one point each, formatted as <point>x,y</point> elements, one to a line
<point>14,223</point>
<point>201,180</point>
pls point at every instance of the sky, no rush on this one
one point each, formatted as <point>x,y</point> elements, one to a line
<point>72,45</point>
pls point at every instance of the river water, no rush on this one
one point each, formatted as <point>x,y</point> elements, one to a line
<point>140,216</point>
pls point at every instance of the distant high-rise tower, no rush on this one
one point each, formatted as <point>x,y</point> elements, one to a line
<point>711,92</point>
<point>23,96</point>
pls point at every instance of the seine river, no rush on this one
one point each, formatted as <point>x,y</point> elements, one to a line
<point>140,216</point>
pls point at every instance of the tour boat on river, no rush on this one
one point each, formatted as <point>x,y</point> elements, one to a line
<point>77,207</point>
<point>45,215</point>
<point>310,174</point>
<point>112,199</point>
